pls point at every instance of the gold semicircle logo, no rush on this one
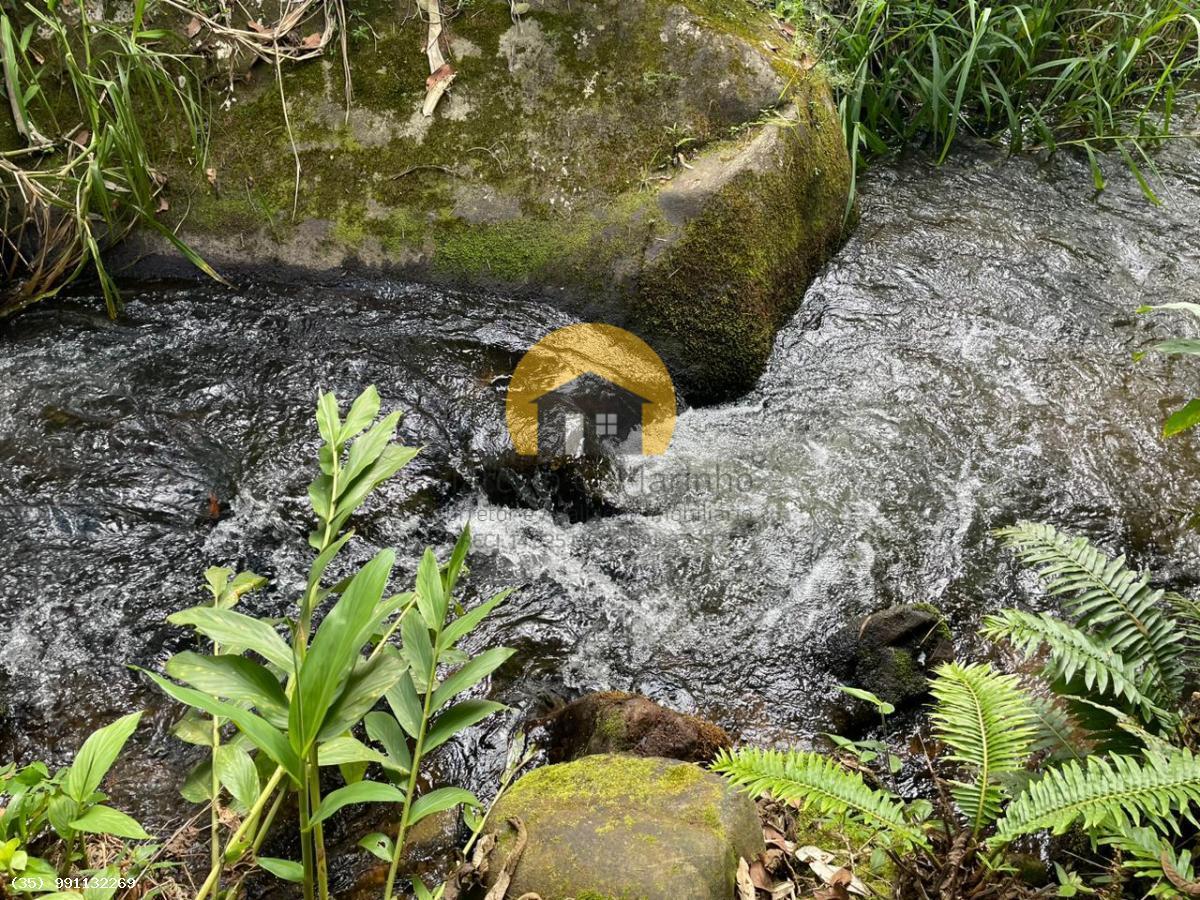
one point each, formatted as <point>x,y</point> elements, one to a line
<point>588,389</point>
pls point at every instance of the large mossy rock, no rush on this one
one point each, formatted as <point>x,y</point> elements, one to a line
<point>545,169</point>
<point>626,828</point>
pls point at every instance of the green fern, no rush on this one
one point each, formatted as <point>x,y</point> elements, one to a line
<point>1107,598</point>
<point>1075,654</point>
<point>1148,854</point>
<point>810,780</point>
<point>986,720</point>
<point>1109,792</point>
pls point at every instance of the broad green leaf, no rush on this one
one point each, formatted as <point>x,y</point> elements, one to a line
<point>362,413</point>
<point>106,820</point>
<point>465,678</point>
<point>321,563</point>
<point>439,801</point>
<point>392,460</point>
<point>270,740</point>
<point>386,731</point>
<point>368,448</point>
<point>217,578</point>
<point>882,706</point>
<point>61,812</point>
<point>378,845</point>
<point>335,650</point>
<point>328,422</point>
<point>194,728</point>
<point>282,868</point>
<point>1172,346</point>
<point>96,757</point>
<point>1193,308</point>
<point>406,705</point>
<point>232,678</point>
<point>456,718</point>
<point>1187,416</point>
<point>197,786</point>
<point>431,600</point>
<point>457,558</point>
<point>243,583</point>
<point>238,774</point>
<point>346,749</point>
<point>237,630</point>
<point>363,792</point>
<point>362,690</point>
<point>416,646</point>
<point>466,623</point>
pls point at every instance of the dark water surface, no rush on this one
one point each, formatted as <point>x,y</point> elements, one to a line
<point>963,362</point>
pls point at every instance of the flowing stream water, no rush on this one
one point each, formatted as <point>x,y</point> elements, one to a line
<point>963,362</point>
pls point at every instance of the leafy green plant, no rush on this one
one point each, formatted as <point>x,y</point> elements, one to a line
<point>83,97</point>
<point>1188,415</point>
<point>1052,73</point>
<point>47,818</point>
<point>1119,667</point>
<point>298,704</point>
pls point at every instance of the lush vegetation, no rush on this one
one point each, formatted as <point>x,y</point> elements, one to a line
<point>58,836</point>
<point>1102,740</point>
<point>298,706</point>
<point>275,714</point>
<point>1056,73</point>
<point>84,103</point>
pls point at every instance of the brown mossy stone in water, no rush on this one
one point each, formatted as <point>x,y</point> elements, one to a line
<point>627,827</point>
<point>542,170</point>
<point>617,722</point>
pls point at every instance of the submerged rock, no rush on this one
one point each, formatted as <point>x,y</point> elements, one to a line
<point>617,722</point>
<point>890,653</point>
<point>676,167</point>
<point>611,826</point>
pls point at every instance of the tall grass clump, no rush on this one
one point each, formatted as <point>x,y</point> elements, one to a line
<point>1098,76</point>
<point>84,98</point>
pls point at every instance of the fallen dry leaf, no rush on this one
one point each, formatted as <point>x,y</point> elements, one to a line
<point>745,884</point>
<point>163,205</point>
<point>312,42</point>
<point>255,25</point>
<point>81,137</point>
<point>193,28</point>
<point>839,877</point>
<point>211,175</point>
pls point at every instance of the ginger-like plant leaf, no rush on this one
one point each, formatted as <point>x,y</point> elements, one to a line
<point>986,720</point>
<point>1109,792</point>
<point>1074,654</point>
<point>1107,598</point>
<point>810,780</point>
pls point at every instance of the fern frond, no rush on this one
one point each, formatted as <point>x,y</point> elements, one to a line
<point>985,719</point>
<point>1106,597</point>
<point>1057,730</point>
<point>1150,855</point>
<point>1075,654</point>
<point>1110,791</point>
<point>809,779</point>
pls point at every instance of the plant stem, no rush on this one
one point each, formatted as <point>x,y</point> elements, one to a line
<point>418,750</point>
<point>247,824</point>
<point>306,843</point>
<point>318,832</point>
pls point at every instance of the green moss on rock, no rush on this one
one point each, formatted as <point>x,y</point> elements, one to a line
<point>550,168</point>
<point>676,829</point>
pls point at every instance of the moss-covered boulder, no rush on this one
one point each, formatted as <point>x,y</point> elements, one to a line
<point>672,166</point>
<point>626,828</point>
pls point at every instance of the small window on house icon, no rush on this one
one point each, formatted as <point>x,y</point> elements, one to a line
<point>606,424</point>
